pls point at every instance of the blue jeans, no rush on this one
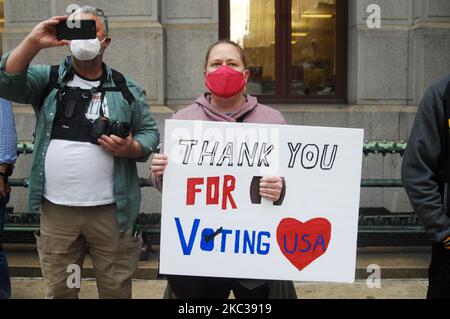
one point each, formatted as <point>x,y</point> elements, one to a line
<point>5,283</point>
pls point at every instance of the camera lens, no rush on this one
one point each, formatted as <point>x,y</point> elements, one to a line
<point>121,129</point>
<point>99,128</point>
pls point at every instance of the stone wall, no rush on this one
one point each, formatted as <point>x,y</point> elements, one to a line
<point>161,44</point>
<point>396,63</point>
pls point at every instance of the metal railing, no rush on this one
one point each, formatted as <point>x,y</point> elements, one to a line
<point>376,226</point>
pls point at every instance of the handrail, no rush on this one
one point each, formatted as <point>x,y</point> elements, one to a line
<point>379,228</point>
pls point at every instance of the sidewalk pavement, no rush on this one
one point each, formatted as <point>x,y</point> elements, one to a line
<point>403,276</point>
<point>34,288</point>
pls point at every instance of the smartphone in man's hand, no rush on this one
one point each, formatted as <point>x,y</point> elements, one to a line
<point>76,30</point>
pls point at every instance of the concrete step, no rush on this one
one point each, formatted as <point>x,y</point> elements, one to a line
<point>394,262</point>
<point>23,260</point>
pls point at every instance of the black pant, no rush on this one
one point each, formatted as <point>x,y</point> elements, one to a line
<point>439,273</point>
<point>5,282</point>
<point>190,287</point>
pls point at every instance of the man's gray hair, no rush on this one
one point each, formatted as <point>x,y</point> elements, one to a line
<point>96,12</point>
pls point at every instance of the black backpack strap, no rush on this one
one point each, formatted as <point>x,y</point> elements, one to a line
<point>118,78</point>
<point>52,82</point>
<point>121,83</point>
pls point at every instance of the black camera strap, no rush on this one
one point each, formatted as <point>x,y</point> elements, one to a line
<point>70,122</point>
<point>117,77</point>
<point>121,86</point>
<point>99,89</point>
<point>102,99</point>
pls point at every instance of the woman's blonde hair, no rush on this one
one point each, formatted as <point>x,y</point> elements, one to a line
<point>237,46</point>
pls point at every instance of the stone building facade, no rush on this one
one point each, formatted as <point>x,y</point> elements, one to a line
<point>161,44</point>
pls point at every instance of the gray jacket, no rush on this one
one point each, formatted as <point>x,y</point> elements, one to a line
<point>424,165</point>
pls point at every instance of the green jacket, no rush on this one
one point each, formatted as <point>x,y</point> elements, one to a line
<point>28,87</point>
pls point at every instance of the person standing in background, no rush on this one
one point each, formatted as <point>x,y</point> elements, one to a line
<point>8,156</point>
<point>425,175</point>
<point>93,125</point>
<point>226,78</point>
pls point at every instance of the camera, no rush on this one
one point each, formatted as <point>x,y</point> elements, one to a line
<point>102,126</point>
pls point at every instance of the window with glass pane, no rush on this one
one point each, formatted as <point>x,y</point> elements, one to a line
<point>252,25</point>
<point>297,49</point>
<point>313,65</point>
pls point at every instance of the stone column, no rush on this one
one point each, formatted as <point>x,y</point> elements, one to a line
<point>378,58</point>
<point>190,28</point>
<point>389,70</point>
<point>378,84</point>
<point>429,46</point>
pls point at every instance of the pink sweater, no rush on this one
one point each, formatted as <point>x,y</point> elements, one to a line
<point>252,111</point>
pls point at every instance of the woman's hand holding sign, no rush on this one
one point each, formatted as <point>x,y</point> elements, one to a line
<point>270,187</point>
<point>159,163</point>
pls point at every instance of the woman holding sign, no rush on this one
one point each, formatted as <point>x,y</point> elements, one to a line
<point>226,78</point>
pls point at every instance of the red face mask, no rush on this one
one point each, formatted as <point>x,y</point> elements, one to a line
<point>225,81</point>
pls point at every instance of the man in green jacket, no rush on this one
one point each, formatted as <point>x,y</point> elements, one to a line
<point>83,176</point>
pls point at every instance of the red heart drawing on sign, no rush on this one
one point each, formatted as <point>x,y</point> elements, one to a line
<point>302,243</point>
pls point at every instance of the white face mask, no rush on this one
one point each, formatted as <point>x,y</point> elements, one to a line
<point>85,50</point>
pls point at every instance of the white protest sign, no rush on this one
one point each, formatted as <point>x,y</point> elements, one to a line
<point>214,223</point>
